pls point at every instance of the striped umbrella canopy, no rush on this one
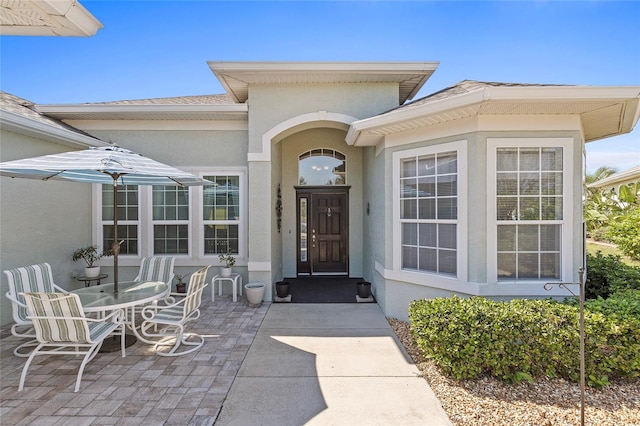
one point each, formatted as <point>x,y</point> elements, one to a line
<point>110,165</point>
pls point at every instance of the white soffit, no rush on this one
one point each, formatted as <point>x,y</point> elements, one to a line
<point>46,18</point>
<point>236,77</point>
<point>604,111</point>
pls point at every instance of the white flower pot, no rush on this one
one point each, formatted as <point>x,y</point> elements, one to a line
<point>226,272</point>
<point>254,292</point>
<point>91,271</point>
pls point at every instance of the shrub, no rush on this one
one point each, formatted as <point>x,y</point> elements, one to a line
<point>523,340</point>
<point>625,233</point>
<point>609,274</point>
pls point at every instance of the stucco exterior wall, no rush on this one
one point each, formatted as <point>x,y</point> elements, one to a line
<point>40,221</point>
<point>189,150</point>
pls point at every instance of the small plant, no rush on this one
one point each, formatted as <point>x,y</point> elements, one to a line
<point>89,254</point>
<point>181,277</point>
<point>227,259</point>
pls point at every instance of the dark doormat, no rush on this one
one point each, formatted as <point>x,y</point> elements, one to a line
<point>323,289</point>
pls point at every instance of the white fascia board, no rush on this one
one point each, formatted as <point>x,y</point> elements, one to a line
<point>74,16</point>
<point>374,67</point>
<point>568,93</point>
<point>25,126</point>
<point>124,108</point>
<point>409,113</point>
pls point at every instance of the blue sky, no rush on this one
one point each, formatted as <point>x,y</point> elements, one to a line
<point>151,49</point>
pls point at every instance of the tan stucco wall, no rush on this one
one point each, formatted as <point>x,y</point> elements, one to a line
<point>40,221</point>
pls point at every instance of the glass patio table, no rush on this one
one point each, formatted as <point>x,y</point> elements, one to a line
<point>101,299</point>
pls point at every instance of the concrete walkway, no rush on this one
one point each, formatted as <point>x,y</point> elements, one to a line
<point>328,364</point>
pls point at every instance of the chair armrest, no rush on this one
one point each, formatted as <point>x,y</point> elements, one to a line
<point>148,312</point>
<point>14,300</point>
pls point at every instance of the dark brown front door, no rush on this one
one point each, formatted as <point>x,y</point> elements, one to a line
<point>323,217</point>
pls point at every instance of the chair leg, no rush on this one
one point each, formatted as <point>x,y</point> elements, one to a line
<point>26,366</point>
<point>180,338</point>
<point>92,352</point>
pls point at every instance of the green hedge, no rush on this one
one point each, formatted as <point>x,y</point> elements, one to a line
<point>609,274</point>
<point>523,339</point>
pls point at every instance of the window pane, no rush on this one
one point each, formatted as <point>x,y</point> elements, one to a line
<point>447,236</point>
<point>550,237</point>
<point>408,188</point>
<point>128,234</point>
<point>447,163</point>
<point>322,167</point>
<point>507,208</point>
<point>528,266</point>
<point>551,183</point>
<point>529,208</point>
<point>426,187</point>
<point>221,239</point>
<point>551,208</point>
<point>410,257</point>
<point>427,208</point>
<point>528,238</point>
<point>408,209</point>
<point>429,235</point>
<point>170,239</point>
<point>127,202</point>
<point>447,262</point>
<point>408,168</point>
<point>507,238</point>
<point>529,159</point>
<point>507,159</point>
<point>410,234</point>
<point>529,184</point>
<point>506,266</point>
<point>428,259</point>
<point>551,159</point>
<point>507,184</point>
<point>447,208</point>
<point>550,265</point>
<point>427,165</point>
<point>447,186</point>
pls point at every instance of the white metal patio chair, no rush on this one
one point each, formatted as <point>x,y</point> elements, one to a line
<point>156,269</point>
<point>62,329</point>
<point>171,319</point>
<point>33,278</point>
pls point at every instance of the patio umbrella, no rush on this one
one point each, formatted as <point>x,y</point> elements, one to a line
<point>104,165</point>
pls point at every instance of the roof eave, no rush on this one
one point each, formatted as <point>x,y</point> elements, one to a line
<point>32,128</point>
<point>629,95</point>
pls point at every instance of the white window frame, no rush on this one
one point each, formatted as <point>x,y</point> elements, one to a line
<point>566,223</point>
<point>154,222</point>
<point>145,221</point>
<point>242,222</point>
<point>98,234</point>
<point>419,277</point>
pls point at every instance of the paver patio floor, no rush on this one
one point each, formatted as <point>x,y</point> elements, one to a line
<point>141,388</point>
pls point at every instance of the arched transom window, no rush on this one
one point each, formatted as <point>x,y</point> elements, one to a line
<point>322,167</point>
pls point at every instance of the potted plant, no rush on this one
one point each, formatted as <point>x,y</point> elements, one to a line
<point>181,286</point>
<point>90,255</point>
<point>282,289</point>
<point>228,261</point>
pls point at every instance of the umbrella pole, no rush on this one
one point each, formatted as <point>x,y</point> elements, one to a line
<point>115,247</point>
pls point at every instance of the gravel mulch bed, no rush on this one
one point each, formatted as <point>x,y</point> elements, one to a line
<point>488,401</point>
